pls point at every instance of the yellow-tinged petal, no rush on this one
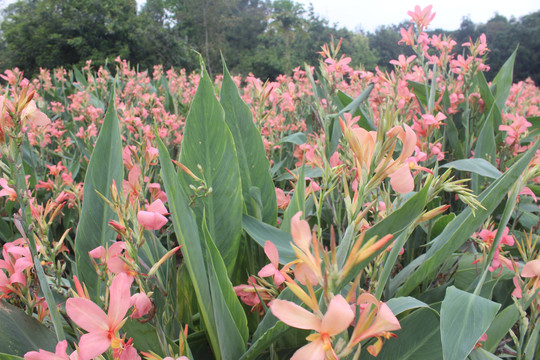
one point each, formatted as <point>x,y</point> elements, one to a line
<point>294,315</point>
<point>301,233</point>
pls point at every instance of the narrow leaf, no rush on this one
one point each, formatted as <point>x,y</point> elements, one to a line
<point>478,166</point>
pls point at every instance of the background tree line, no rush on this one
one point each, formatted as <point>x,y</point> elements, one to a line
<point>264,37</point>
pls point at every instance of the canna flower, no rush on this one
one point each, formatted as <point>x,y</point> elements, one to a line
<point>272,269</point>
<point>153,218</point>
<point>113,258</point>
<point>337,319</point>
<point>421,17</point>
<point>102,328</point>
<point>532,270</point>
<point>33,116</point>
<point>142,305</point>
<point>7,191</point>
<point>375,320</point>
<point>59,354</point>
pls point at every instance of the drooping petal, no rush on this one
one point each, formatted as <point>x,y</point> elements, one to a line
<point>294,315</point>
<point>401,180</point>
<point>151,220</point>
<point>271,251</point>
<point>338,317</point>
<point>86,314</point>
<point>303,274</point>
<point>116,248</point>
<point>312,351</point>
<point>98,253</point>
<point>531,269</point>
<point>93,344</point>
<point>119,300</point>
<point>158,207</point>
<point>300,232</point>
<point>267,270</point>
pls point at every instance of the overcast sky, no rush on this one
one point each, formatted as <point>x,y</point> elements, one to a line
<point>368,14</point>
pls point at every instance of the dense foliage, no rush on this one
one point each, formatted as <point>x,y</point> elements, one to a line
<point>335,213</point>
<point>266,38</point>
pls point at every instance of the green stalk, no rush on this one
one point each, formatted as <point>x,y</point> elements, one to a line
<point>17,170</point>
<point>508,209</point>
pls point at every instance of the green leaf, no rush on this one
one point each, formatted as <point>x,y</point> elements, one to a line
<point>196,258</point>
<point>298,138</point>
<point>402,304</point>
<point>485,145</point>
<point>9,357</point>
<point>462,227</point>
<point>393,224</point>
<point>144,336</point>
<point>465,317</point>
<point>20,333</point>
<point>297,203</point>
<point>261,232</point>
<point>309,172</point>
<point>502,83</point>
<point>105,166</point>
<point>252,160</point>
<point>351,104</point>
<point>478,166</point>
<point>418,339</point>
<point>482,354</point>
<point>227,307</point>
<point>208,143</point>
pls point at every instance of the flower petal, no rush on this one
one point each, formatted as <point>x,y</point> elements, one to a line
<point>158,207</point>
<point>93,344</point>
<point>271,251</point>
<point>401,180</point>
<point>294,315</point>
<point>300,232</point>
<point>531,269</point>
<point>151,220</point>
<point>312,351</point>
<point>338,317</point>
<point>86,314</point>
<point>120,296</point>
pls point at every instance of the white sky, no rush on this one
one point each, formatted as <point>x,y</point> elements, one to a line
<point>367,15</point>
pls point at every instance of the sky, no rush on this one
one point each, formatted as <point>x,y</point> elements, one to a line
<point>367,15</point>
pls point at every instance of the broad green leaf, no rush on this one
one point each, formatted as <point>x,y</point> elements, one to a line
<point>418,339</point>
<point>393,224</point>
<point>298,138</point>
<point>478,166</point>
<point>144,336</point>
<point>463,226</point>
<point>465,317</point>
<point>195,256</point>
<point>402,304</point>
<point>227,307</point>
<point>297,203</point>
<point>502,83</point>
<point>10,357</point>
<point>261,232</point>
<point>485,145</point>
<point>208,143</point>
<point>346,100</point>
<point>20,333</point>
<point>440,224</point>
<point>252,160</point>
<point>481,354</point>
<point>530,347</point>
<point>105,167</point>
<point>420,90</point>
<point>390,262</point>
<point>309,172</point>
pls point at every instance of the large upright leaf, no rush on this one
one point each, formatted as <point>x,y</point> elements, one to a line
<point>298,202</point>
<point>252,160</point>
<point>213,306</point>
<point>462,227</point>
<point>502,83</point>
<point>104,167</point>
<point>20,333</point>
<point>465,317</point>
<point>208,143</point>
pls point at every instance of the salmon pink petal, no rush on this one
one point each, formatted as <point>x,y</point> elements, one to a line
<point>86,314</point>
<point>271,251</point>
<point>278,278</point>
<point>517,291</point>
<point>312,351</point>
<point>98,253</point>
<point>17,277</point>
<point>294,315</point>
<point>300,232</point>
<point>338,317</point>
<point>116,248</point>
<point>158,207</point>
<point>120,296</point>
<point>116,265</point>
<point>93,344</point>
<point>142,305</point>
<point>303,274</point>
<point>266,271</point>
<point>531,269</point>
<point>22,264</point>
<point>401,180</point>
<point>151,220</point>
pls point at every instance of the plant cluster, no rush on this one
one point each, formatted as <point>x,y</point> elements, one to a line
<point>332,214</point>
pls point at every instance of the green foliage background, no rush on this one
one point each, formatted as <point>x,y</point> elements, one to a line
<point>263,37</point>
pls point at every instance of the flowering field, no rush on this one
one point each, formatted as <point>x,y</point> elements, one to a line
<point>333,214</point>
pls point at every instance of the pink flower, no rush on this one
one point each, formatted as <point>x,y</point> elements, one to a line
<point>421,17</point>
<point>59,354</point>
<point>337,319</point>
<point>33,115</point>
<point>142,305</point>
<point>272,269</point>
<point>113,257</point>
<point>102,328</point>
<point>7,191</point>
<point>153,218</point>
<point>282,199</point>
